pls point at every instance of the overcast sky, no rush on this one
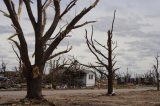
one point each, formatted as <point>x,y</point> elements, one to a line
<point>137,32</point>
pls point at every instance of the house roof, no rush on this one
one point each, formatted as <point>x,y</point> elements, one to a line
<point>87,71</point>
<point>64,69</point>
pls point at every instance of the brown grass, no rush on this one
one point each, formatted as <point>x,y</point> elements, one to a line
<point>88,98</point>
<point>136,98</point>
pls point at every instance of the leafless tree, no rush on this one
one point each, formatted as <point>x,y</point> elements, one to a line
<point>18,69</point>
<point>103,59</point>
<point>3,67</point>
<point>46,40</point>
<point>127,76</point>
<point>54,72</point>
<point>156,69</point>
<point>58,68</point>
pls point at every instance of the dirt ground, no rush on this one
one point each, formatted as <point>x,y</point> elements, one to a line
<point>96,97</point>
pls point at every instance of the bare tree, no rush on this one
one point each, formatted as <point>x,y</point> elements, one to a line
<point>127,76</point>
<point>73,73</point>
<point>3,67</point>
<point>156,69</point>
<point>46,40</point>
<point>18,69</point>
<point>105,60</point>
<point>62,70</point>
<point>54,72</point>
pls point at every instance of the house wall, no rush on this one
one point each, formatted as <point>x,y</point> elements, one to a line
<point>90,82</point>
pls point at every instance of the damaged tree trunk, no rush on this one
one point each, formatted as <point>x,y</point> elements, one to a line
<point>156,69</point>
<point>158,82</point>
<point>46,39</point>
<point>105,60</point>
<point>110,64</point>
<point>34,88</point>
<point>34,80</point>
<point>110,83</point>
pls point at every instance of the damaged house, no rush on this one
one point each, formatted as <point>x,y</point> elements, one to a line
<point>70,78</point>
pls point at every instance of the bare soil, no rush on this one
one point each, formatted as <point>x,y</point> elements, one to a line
<point>96,97</point>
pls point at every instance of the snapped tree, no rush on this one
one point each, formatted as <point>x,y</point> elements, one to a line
<point>3,67</point>
<point>106,59</point>
<point>46,40</point>
<point>156,69</point>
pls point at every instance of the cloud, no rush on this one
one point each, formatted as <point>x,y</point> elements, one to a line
<point>3,55</point>
<point>5,29</point>
<point>144,48</point>
<point>72,41</point>
<point>122,26</point>
<point>135,29</point>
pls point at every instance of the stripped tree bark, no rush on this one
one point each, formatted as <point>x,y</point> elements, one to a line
<point>42,53</point>
<point>103,60</point>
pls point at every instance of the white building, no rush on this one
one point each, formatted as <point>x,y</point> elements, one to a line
<point>89,79</point>
<point>78,78</point>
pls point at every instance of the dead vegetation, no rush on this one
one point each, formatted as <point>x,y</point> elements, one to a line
<point>141,98</point>
<point>125,97</point>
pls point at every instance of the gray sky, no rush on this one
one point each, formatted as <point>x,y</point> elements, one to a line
<point>136,32</point>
